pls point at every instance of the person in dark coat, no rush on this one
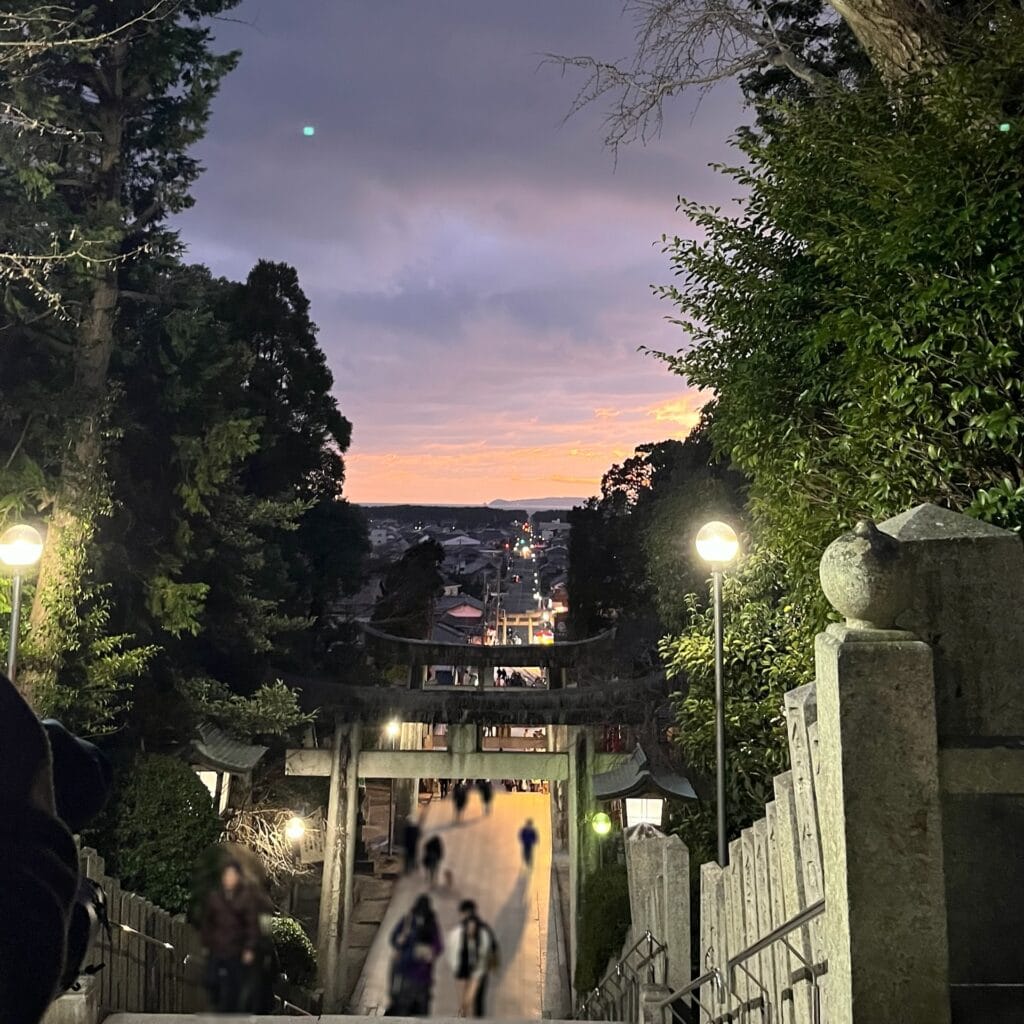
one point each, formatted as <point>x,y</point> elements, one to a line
<point>411,843</point>
<point>38,862</point>
<point>528,839</point>
<point>416,941</point>
<point>230,933</point>
<point>486,794</point>
<point>433,854</point>
<point>460,794</point>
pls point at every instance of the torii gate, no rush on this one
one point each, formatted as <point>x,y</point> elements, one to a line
<point>570,760</point>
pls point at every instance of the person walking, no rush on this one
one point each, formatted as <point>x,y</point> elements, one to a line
<point>433,854</point>
<point>416,941</point>
<point>446,784</point>
<point>473,955</point>
<point>230,934</point>
<point>528,839</point>
<point>411,843</point>
<point>486,794</point>
<point>460,794</point>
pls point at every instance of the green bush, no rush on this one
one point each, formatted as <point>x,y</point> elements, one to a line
<point>604,923</point>
<point>158,824</point>
<point>295,952</point>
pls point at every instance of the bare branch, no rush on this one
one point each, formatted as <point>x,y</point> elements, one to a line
<point>683,44</point>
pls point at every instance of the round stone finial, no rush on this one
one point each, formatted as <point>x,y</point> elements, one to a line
<point>863,578</point>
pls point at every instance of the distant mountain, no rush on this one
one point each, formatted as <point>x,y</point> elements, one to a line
<point>538,504</point>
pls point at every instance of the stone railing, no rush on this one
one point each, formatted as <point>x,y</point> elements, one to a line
<point>774,876</point>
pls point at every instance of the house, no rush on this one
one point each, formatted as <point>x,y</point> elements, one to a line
<point>553,529</point>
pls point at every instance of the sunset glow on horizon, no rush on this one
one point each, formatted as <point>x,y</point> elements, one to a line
<point>479,266</point>
<point>554,460</point>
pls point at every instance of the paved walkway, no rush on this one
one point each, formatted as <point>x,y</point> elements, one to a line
<point>483,856</point>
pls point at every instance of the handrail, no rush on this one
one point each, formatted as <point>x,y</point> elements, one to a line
<point>714,976</point>
<point>655,948</point>
<point>797,921</point>
<point>129,930</point>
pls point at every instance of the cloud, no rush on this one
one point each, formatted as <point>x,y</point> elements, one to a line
<point>479,267</point>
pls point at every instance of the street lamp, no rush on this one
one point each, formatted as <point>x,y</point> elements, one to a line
<point>718,545</point>
<point>295,830</point>
<point>602,825</point>
<point>644,810</point>
<point>20,548</point>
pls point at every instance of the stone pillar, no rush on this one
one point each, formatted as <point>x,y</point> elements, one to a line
<point>879,804</point>
<point>659,896</point>
<point>407,790</point>
<point>339,853</point>
<point>573,815</point>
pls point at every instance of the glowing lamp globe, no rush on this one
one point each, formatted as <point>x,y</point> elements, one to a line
<point>295,830</point>
<point>717,543</point>
<point>393,728</point>
<point>20,546</point>
<point>601,823</point>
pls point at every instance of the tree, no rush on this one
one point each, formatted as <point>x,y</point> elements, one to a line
<point>133,106</point>
<point>796,48</point>
<point>411,586</point>
<point>861,325</point>
<point>158,826</point>
<point>30,34</point>
<point>225,482</point>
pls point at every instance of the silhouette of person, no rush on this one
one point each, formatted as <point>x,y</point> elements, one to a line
<point>528,839</point>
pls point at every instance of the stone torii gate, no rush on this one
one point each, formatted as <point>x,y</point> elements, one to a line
<point>570,713</point>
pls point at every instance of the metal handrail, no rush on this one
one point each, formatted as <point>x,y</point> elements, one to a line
<point>129,930</point>
<point>712,977</point>
<point>797,921</point>
<point>655,948</point>
<point>779,934</point>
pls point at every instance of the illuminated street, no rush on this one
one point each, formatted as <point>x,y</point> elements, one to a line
<point>483,856</point>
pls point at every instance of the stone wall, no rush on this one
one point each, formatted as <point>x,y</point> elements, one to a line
<point>901,815</point>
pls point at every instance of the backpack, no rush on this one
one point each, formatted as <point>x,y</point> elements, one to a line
<point>88,918</point>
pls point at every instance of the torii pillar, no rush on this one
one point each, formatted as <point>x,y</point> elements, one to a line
<point>339,862</point>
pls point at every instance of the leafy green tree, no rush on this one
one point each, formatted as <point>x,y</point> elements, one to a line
<point>129,108</point>
<point>156,829</point>
<point>410,588</point>
<point>861,326</point>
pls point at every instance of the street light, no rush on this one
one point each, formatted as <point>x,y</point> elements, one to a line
<point>718,545</point>
<point>295,830</point>
<point>601,823</point>
<point>20,548</point>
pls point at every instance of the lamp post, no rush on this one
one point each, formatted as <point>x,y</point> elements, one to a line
<point>717,544</point>
<point>392,730</point>
<point>602,825</point>
<point>294,832</point>
<point>20,548</point>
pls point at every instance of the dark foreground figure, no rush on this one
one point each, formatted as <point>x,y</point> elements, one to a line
<point>416,944</point>
<point>50,784</point>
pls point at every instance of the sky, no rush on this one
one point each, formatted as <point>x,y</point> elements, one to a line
<point>479,266</point>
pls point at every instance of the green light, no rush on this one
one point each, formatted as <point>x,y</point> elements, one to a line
<point>1005,126</point>
<point>308,130</point>
<point>601,823</point>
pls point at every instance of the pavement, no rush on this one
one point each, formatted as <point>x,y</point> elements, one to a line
<point>483,856</point>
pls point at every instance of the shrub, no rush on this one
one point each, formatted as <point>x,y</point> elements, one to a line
<point>604,922</point>
<point>158,824</point>
<point>295,952</point>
